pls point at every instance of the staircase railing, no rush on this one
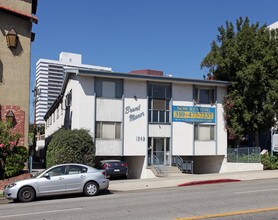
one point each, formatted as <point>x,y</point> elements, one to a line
<point>156,164</point>
<point>186,166</point>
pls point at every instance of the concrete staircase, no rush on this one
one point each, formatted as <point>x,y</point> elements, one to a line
<point>166,171</point>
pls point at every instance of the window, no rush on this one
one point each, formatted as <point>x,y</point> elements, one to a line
<point>74,169</point>
<point>204,132</point>
<point>57,171</point>
<point>108,130</point>
<point>53,116</point>
<point>159,102</point>
<point>58,112</point>
<point>204,95</point>
<point>109,88</point>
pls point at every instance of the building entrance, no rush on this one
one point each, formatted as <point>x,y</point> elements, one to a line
<point>158,151</point>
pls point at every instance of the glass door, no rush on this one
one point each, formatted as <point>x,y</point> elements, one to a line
<point>159,151</point>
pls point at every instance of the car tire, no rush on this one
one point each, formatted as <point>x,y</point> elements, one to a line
<point>91,189</point>
<point>26,194</point>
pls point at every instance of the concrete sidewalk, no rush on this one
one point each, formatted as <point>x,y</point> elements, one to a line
<point>141,184</point>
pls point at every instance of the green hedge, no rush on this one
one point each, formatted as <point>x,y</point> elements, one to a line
<point>270,162</point>
<point>15,162</point>
<point>70,146</point>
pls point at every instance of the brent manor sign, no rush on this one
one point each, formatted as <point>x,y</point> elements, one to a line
<point>193,114</point>
<point>134,112</point>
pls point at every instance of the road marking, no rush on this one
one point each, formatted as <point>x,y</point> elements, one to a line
<point>38,213</point>
<point>230,213</point>
<point>254,191</point>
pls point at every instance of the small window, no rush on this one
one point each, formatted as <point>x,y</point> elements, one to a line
<point>57,112</point>
<point>109,88</point>
<point>75,169</point>
<point>204,95</point>
<point>204,132</point>
<point>57,171</point>
<point>108,130</point>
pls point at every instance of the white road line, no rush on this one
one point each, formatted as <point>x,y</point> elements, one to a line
<point>255,191</point>
<point>38,213</point>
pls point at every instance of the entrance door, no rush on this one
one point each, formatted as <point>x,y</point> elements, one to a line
<point>159,151</point>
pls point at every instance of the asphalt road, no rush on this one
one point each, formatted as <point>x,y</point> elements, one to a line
<point>241,200</point>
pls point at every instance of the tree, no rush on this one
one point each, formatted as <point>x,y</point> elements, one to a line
<point>70,146</point>
<point>248,57</point>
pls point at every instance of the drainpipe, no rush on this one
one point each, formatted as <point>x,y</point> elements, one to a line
<point>122,130</point>
<point>216,125</point>
<point>171,137</point>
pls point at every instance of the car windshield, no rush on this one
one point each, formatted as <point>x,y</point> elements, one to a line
<point>37,174</point>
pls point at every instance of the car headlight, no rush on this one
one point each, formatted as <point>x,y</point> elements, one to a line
<point>11,185</point>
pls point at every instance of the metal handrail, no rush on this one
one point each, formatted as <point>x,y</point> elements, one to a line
<point>184,166</point>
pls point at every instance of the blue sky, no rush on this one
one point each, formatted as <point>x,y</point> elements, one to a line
<point>169,35</point>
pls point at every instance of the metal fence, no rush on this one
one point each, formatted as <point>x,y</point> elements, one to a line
<point>244,155</point>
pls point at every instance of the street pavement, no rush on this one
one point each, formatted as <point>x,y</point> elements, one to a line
<point>173,181</point>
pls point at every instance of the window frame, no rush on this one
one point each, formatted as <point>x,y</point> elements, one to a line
<point>159,115</point>
<point>117,129</point>
<point>118,91</point>
<point>212,127</point>
<point>212,94</point>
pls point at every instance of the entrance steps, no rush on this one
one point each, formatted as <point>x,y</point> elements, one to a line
<point>163,171</point>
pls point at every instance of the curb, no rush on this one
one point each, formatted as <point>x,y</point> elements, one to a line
<point>208,182</point>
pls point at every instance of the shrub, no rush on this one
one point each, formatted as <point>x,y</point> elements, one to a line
<point>15,162</point>
<point>270,162</point>
<point>70,146</point>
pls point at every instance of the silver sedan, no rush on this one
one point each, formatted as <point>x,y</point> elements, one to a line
<point>57,180</point>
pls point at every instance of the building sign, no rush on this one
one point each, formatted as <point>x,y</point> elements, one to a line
<point>134,113</point>
<point>193,114</point>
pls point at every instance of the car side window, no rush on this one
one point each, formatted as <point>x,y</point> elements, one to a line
<point>74,169</point>
<point>57,171</point>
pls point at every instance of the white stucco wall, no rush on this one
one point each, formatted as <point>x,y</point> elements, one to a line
<point>84,104</point>
<point>182,142</point>
<point>222,141</point>
<point>109,110</point>
<point>205,148</point>
<point>159,130</point>
<point>108,147</point>
<point>236,167</point>
<point>135,118</point>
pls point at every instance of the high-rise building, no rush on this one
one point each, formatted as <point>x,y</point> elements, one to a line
<point>49,80</point>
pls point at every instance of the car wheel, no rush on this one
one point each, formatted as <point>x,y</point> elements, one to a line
<point>91,189</point>
<point>26,194</point>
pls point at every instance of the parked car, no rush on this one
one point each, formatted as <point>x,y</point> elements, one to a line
<point>114,168</point>
<point>57,180</point>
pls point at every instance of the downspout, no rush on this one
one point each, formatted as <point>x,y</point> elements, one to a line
<point>216,122</point>
<point>123,118</point>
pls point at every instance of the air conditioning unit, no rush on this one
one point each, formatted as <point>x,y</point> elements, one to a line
<point>67,102</point>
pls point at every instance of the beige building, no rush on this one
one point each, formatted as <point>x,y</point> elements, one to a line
<point>16,20</point>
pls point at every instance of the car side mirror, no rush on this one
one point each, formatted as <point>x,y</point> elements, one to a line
<point>46,175</point>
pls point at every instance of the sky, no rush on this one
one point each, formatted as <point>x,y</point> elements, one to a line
<point>168,35</point>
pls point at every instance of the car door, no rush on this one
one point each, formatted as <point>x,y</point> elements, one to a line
<point>53,182</point>
<point>76,177</point>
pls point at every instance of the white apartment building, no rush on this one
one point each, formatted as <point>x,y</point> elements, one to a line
<point>49,80</point>
<point>146,118</point>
